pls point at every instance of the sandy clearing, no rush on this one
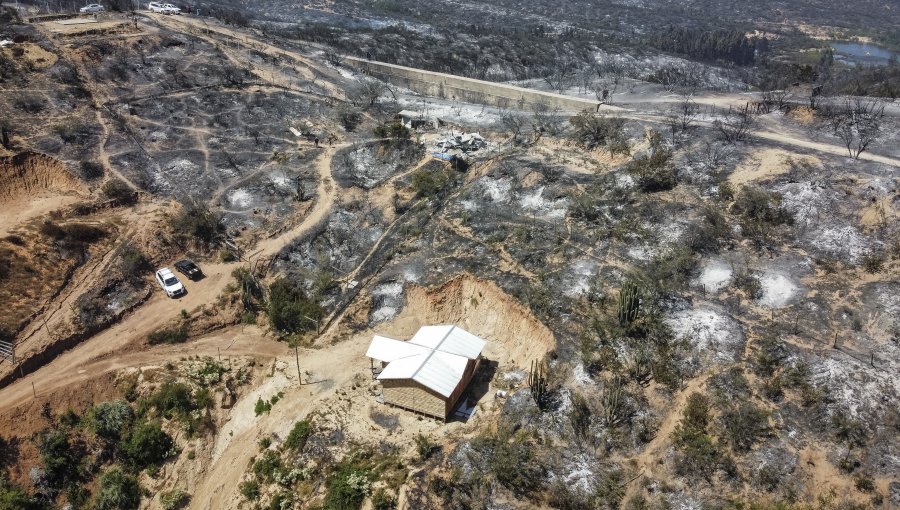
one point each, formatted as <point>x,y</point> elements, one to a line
<point>21,211</point>
<point>768,163</point>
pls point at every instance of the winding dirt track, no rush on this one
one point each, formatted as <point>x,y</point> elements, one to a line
<point>201,28</point>
<point>159,309</point>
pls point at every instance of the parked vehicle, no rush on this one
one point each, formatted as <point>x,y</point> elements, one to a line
<point>91,9</point>
<point>169,282</point>
<point>162,8</point>
<point>189,269</point>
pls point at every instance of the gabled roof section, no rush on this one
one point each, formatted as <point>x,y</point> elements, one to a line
<point>450,339</point>
<point>386,349</point>
<point>435,357</point>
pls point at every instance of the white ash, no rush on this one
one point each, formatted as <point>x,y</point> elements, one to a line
<point>778,290</point>
<point>710,330</point>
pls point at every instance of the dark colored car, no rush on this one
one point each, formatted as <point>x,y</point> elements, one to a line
<point>189,269</point>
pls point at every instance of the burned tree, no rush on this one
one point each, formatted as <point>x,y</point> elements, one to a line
<point>593,131</point>
<point>736,124</point>
<point>682,116</point>
<point>857,122</point>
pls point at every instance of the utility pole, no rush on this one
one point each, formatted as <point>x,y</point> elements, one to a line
<point>297,357</point>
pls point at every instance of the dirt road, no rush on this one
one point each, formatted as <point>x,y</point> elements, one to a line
<point>160,309</point>
<point>238,441</point>
<point>311,70</point>
<point>781,138</point>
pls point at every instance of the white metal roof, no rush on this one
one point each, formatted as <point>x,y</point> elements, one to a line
<point>436,357</point>
<point>450,339</point>
<point>387,349</point>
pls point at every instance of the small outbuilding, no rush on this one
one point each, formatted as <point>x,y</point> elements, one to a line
<point>415,120</point>
<point>429,373</point>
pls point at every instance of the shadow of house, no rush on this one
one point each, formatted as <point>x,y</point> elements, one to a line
<point>429,373</point>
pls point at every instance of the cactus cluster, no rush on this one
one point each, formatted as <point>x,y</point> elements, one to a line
<point>613,402</point>
<point>629,303</point>
<point>537,381</point>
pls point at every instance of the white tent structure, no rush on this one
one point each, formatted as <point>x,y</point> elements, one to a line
<point>429,373</point>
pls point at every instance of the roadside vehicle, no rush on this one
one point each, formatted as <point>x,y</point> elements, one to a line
<point>189,269</point>
<point>91,9</point>
<point>169,282</point>
<point>161,8</point>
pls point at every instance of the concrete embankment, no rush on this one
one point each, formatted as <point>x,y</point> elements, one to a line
<point>470,90</point>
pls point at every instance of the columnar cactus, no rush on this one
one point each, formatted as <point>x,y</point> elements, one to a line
<point>629,303</point>
<point>537,381</point>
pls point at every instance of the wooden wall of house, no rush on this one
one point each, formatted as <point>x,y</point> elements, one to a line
<point>453,400</point>
<point>411,395</point>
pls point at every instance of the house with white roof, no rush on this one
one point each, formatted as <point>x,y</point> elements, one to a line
<point>429,373</point>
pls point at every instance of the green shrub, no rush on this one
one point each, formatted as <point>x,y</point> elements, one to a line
<point>383,500</point>
<point>262,406</point>
<point>768,477</point>
<point>349,117</point>
<point>430,183</point>
<point>510,459</point>
<point>748,282</point>
<point>760,211</point>
<point>296,439</point>
<point>593,131</point>
<point>169,335</point>
<point>770,355</point>
<point>203,398</point>
<point>116,189</point>
<point>73,233</point>
<point>760,205</point>
<point>109,419</point>
<point>266,466</point>
<point>347,488</point>
<point>864,483</point>
<point>290,310</point>
<point>847,430</point>
<point>743,424</point>
<point>61,458</point>
<point>425,446</point>
<point>173,400</point>
<point>250,490</point>
<point>174,499</point>
<point>146,445</point>
<point>117,491</point>
<point>873,262</point>
<point>132,262</point>
<point>654,172</point>
<point>394,130</point>
<point>673,268</point>
<point>698,454</point>
<point>12,497</point>
<point>198,224</point>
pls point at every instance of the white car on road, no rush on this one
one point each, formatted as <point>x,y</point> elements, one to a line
<point>169,282</point>
<point>91,9</point>
<point>162,8</point>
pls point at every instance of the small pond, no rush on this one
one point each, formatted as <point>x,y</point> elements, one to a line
<point>854,53</point>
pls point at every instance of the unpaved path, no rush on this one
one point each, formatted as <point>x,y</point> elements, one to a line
<point>782,138</point>
<point>335,367</point>
<point>160,309</point>
<point>310,69</point>
<point>647,461</point>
